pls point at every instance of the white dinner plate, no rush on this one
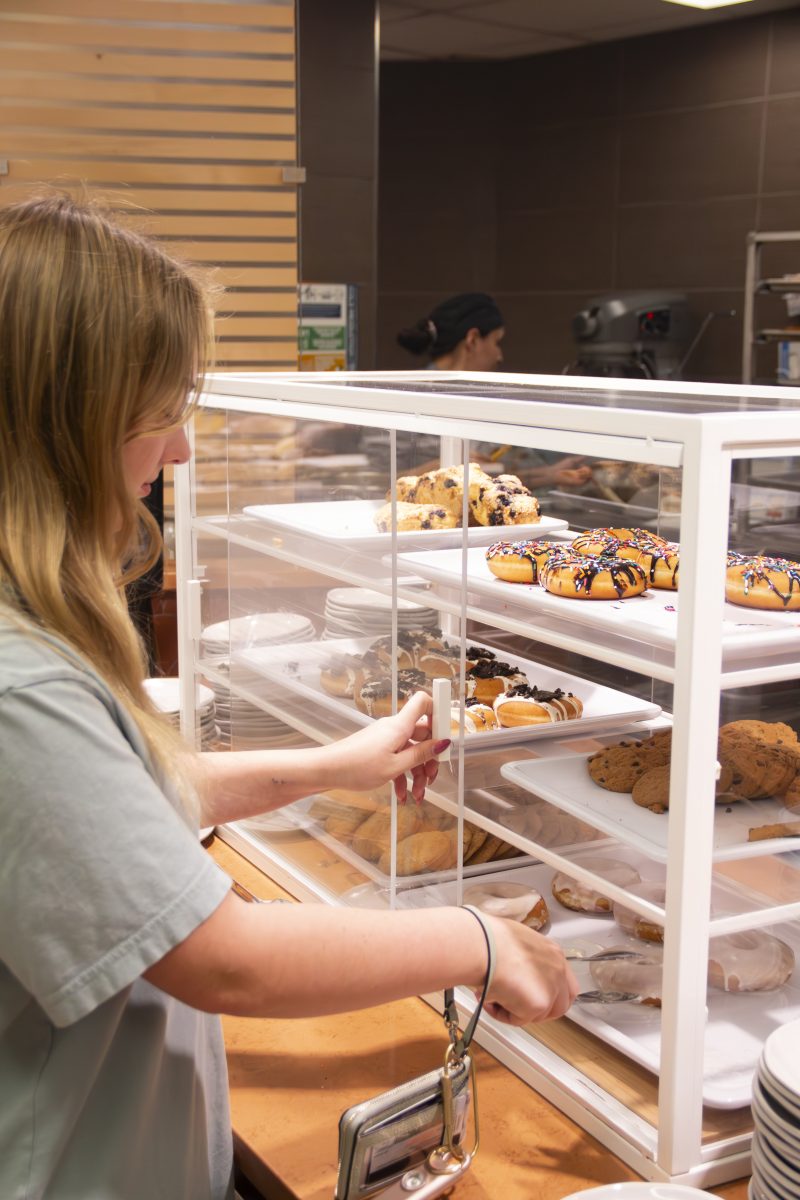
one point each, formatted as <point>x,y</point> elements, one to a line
<point>781,1058</point>
<point>352,521</point>
<point>641,1190</point>
<point>259,629</point>
<point>165,694</point>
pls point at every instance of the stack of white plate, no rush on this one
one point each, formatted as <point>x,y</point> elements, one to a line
<point>359,612</point>
<point>244,726</point>
<point>165,694</point>
<point>776,1116</point>
<point>258,629</point>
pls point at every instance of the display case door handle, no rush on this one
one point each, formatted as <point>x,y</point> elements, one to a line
<point>193,593</point>
<point>440,725</point>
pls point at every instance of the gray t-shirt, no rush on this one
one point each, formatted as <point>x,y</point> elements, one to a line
<point>109,1088</point>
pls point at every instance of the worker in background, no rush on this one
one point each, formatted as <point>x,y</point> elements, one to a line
<point>464,333</point>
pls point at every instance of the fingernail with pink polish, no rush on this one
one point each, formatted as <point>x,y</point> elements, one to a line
<point>438,747</point>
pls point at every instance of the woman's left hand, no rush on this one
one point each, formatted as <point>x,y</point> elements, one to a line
<point>389,749</point>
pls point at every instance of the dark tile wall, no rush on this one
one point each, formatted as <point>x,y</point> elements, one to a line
<point>628,165</point>
<point>337,83</point>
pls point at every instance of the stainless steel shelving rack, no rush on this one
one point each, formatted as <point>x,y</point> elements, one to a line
<point>755,285</point>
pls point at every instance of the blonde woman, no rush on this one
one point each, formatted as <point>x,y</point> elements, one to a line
<point>119,935</point>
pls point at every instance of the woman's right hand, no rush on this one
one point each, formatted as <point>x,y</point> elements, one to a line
<point>532,979</point>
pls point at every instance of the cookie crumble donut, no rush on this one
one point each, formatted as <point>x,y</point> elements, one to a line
<point>520,562</point>
<point>440,661</point>
<point>749,961</point>
<point>583,577</point>
<point>525,704</point>
<point>478,717</point>
<point>772,583</point>
<point>582,897</point>
<point>375,696</point>
<point>607,541</point>
<point>338,676</point>
<point>489,678</point>
<point>514,901</point>
<point>405,652</point>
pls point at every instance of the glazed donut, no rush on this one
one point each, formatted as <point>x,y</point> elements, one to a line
<point>528,705</point>
<point>414,517</point>
<point>645,928</point>
<point>375,696</point>
<point>764,583</point>
<point>643,976</point>
<point>489,678</point>
<point>582,897</point>
<point>660,561</point>
<point>608,541</point>
<point>514,901</point>
<point>749,961</point>
<point>582,577</point>
<point>520,562</point>
<point>478,717</point>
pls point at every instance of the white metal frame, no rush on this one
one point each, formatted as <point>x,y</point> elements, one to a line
<point>704,444</point>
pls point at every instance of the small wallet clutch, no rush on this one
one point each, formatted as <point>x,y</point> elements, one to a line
<point>382,1138</point>
<point>420,1124</point>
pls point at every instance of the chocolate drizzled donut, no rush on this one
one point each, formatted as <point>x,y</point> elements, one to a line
<point>587,577</point>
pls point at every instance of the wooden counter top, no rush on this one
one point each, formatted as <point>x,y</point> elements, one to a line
<point>290,1081</point>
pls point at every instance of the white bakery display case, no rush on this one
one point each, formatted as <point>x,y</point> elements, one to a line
<point>305,603</point>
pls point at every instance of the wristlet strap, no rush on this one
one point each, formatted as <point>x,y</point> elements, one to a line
<point>461,1044</point>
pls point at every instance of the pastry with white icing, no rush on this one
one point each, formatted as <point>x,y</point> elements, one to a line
<point>514,901</point>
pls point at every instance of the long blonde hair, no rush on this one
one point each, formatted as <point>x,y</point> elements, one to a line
<point>102,336</point>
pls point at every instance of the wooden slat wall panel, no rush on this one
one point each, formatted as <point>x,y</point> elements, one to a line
<point>110,171</point>
<point>181,114</point>
<point>34,144</point>
<point>42,118</point>
<point>106,35</point>
<point>268,202</point>
<point>101,89</point>
<point>236,252</point>
<point>47,58</point>
<point>278,16</point>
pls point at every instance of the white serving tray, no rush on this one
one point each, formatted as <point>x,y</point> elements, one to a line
<point>351,521</point>
<point>651,617</point>
<point>565,782</point>
<point>737,1025</point>
<point>297,668</point>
